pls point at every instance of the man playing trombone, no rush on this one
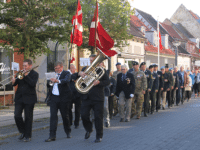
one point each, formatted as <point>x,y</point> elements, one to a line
<point>25,99</point>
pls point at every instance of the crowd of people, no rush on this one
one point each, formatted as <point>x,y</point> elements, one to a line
<point>124,92</point>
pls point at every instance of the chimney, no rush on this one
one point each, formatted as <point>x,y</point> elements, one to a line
<point>152,37</point>
<point>165,41</point>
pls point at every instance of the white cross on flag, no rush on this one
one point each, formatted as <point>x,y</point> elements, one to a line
<point>76,34</point>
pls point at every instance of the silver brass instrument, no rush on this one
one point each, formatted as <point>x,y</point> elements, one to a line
<point>93,72</point>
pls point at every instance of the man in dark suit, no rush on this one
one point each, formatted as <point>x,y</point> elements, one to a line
<point>149,86</point>
<point>112,87</point>
<point>125,91</point>
<point>25,99</point>
<point>76,98</point>
<point>94,100</point>
<point>60,99</point>
<point>159,93</point>
<point>154,89</point>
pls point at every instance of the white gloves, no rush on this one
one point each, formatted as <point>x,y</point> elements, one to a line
<point>131,95</point>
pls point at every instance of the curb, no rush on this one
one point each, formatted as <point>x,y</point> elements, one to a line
<point>4,136</point>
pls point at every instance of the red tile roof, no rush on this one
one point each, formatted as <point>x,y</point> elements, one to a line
<point>138,23</point>
<point>171,31</point>
<point>194,15</point>
<point>195,55</point>
<point>151,48</point>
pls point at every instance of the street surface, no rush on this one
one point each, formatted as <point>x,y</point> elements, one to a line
<point>177,128</point>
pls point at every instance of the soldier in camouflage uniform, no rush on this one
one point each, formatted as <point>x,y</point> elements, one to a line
<point>115,99</point>
<point>140,88</point>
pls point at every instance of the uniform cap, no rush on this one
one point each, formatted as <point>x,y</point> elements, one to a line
<point>135,63</point>
<point>155,65</point>
<point>166,66</point>
<point>170,69</point>
<point>151,66</point>
<point>163,67</point>
<point>118,63</point>
<point>143,63</point>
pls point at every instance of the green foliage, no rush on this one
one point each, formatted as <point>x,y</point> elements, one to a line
<point>30,24</point>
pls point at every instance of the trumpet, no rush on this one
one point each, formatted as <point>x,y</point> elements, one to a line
<point>19,74</point>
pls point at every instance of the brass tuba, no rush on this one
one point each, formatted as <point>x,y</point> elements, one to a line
<point>93,72</point>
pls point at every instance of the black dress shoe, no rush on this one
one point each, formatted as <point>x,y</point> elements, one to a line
<point>69,135</point>
<point>145,114</point>
<point>87,135</point>
<point>121,120</point>
<point>76,127</point>
<point>21,136</point>
<point>127,120</point>
<point>98,140</point>
<point>156,110</point>
<point>152,112</point>
<point>27,139</point>
<point>50,139</point>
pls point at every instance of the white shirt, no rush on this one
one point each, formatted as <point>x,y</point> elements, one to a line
<point>55,90</point>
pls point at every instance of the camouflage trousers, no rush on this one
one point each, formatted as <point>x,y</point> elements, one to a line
<point>115,104</point>
<point>137,104</point>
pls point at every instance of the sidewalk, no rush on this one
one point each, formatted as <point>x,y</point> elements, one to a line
<point>41,116</point>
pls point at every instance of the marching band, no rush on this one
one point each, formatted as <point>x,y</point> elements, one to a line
<point>127,92</point>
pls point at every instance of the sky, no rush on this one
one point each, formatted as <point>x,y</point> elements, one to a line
<point>162,9</point>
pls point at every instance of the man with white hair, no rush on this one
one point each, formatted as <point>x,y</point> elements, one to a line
<point>76,97</point>
<point>179,83</point>
<point>182,86</point>
<point>125,91</point>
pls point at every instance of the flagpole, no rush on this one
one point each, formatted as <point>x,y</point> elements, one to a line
<point>158,44</point>
<point>95,45</point>
<point>68,53</point>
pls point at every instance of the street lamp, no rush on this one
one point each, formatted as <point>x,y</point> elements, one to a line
<point>176,44</point>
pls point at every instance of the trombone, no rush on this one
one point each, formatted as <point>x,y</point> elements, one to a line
<point>19,75</point>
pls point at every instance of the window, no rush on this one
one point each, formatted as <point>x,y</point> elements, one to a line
<point>5,71</point>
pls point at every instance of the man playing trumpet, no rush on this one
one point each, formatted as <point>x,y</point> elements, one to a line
<point>25,99</point>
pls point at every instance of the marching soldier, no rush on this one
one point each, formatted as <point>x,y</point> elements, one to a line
<point>180,82</point>
<point>168,80</point>
<point>175,86</point>
<point>154,89</point>
<point>115,100</point>
<point>149,86</point>
<point>141,82</point>
<point>125,91</point>
<point>158,94</point>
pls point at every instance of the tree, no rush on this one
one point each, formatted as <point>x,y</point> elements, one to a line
<point>31,23</point>
<point>114,16</point>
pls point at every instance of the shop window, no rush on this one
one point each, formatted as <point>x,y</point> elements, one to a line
<point>5,71</point>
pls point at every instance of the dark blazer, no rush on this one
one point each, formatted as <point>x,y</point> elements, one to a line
<point>155,82</point>
<point>167,80</point>
<point>149,79</point>
<point>112,85</point>
<point>75,93</point>
<point>123,86</point>
<point>63,87</point>
<point>96,93</point>
<point>26,91</point>
<point>176,76</point>
<point>180,79</point>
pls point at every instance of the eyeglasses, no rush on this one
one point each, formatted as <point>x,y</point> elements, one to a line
<point>123,69</point>
<point>57,68</point>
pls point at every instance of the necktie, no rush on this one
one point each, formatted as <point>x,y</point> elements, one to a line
<point>123,77</point>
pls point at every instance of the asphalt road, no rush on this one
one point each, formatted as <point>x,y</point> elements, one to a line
<point>177,128</point>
